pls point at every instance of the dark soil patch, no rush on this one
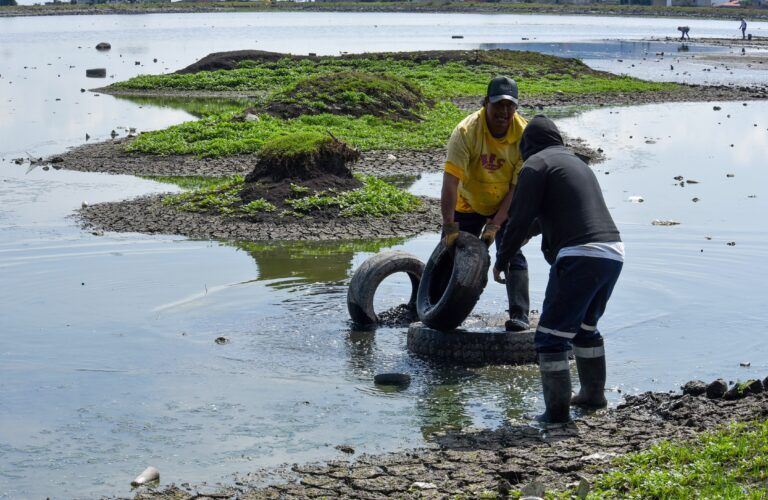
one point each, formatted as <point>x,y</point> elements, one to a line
<point>281,174</point>
<point>504,460</point>
<point>350,93</point>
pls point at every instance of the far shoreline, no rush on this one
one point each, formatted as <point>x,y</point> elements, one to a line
<point>719,13</point>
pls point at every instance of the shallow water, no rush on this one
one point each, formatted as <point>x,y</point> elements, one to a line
<point>107,348</point>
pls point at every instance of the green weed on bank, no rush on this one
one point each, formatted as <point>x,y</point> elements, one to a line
<point>728,463</point>
<point>375,198</point>
<point>220,136</point>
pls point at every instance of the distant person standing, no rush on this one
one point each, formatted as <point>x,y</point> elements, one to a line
<point>743,28</point>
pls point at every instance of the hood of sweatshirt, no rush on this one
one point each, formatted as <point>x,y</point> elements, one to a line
<point>539,134</point>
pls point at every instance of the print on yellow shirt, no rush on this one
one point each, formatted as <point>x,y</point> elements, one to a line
<point>486,167</point>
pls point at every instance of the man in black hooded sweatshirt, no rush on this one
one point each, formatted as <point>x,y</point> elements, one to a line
<point>559,193</point>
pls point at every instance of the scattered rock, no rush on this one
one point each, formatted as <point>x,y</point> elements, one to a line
<point>391,157</point>
<point>731,243</point>
<point>695,200</point>
<point>716,108</point>
<point>398,379</point>
<point>695,387</point>
<point>103,46</point>
<point>534,490</point>
<point>96,73</point>
<point>222,340</point>
<point>582,490</point>
<point>717,389</point>
<point>149,475</point>
<point>84,204</point>
<point>56,159</point>
<point>664,222</point>
<point>345,449</point>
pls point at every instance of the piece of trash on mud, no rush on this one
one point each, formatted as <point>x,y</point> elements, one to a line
<point>731,243</point>
<point>745,364</point>
<point>103,46</point>
<point>398,379</point>
<point>457,36</point>
<point>691,181</point>
<point>84,204</point>
<point>222,340</point>
<point>664,222</point>
<point>345,448</point>
<point>149,475</point>
<point>582,490</point>
<point>391,157</point>
<point>695,200</point>
<point>635,199</point>
<point>650,141</point>
<point>598,457</point>
<point>729,175</point>
<point>534,489</point>
<point>716,108</point>
<point>678,177</point>
<point>424,486</point>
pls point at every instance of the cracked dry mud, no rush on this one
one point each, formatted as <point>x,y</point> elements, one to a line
<point>500,460</point>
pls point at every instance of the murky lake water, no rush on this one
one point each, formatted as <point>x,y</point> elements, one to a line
<point>107,353</point>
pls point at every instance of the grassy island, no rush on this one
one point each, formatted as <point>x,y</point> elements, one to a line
<point>387,101</point>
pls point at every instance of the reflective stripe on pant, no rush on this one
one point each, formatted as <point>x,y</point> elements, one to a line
<point>577,294</point>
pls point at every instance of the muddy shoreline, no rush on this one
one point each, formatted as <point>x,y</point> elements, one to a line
<point>500,461</point>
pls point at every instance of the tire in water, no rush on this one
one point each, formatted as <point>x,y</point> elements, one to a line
<point>452,282</point>
<point>369,276</point>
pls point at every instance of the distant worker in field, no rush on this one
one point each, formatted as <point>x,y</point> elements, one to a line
<point>480,175</point>
<point>743,28</point>
<point>582,244</point>
<point>684,32</point>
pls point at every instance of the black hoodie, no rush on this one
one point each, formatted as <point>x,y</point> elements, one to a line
<point>561,191</point>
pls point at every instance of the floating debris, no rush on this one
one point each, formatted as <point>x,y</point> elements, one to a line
<point>222,340</point>
<point>729,175</point>
<point>149,475</point>
<point>96,73</point>
<point>103,46</point>
<point>695,200</point>
<point>691,181</point>
<point>731,243</point>
<point>664,222</point>
<point>399,379</point>
<point>745,364</point>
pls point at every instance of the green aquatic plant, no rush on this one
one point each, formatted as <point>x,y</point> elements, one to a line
<point>726,463</point>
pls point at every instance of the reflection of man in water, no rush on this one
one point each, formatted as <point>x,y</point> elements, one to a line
<point>582,244</point>
<point>480,175</point>
<point>684,32</point>
<point>743,28</point>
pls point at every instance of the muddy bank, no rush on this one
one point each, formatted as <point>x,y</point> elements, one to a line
<point>735,42</point>
<point>500,461</point>
<point>149,215</point>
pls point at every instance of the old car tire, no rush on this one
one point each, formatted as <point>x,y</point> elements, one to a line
<point>452,282</point>
<point>369,276</point>
<point>472,346</point>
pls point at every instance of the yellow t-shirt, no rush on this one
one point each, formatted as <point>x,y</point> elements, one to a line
<point>486,167</point>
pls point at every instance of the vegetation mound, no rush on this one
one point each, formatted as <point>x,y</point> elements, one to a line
<point>349,93</point>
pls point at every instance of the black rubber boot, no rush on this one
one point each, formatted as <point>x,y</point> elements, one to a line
<point>519,302</point>
<point>556,383</point>
<point>590,361</point>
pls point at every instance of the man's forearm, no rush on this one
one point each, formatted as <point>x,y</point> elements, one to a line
<point>448,197</point>
<point>503,211</point>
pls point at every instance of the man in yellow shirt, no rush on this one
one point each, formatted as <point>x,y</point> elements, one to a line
<point>480,176</point>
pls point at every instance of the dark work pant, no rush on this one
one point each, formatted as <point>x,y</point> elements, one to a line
<point>577,294</point>
<point>517,283</point>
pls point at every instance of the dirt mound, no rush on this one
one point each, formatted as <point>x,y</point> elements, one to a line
<point>350,93</point>
<point>231,60</point>
<point>300,165</point>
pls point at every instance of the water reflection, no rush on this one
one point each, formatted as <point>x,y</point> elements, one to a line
<point>292,264</point>
<point>198,107</point>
